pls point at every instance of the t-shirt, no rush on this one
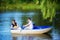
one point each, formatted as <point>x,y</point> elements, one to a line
<point>30,25</point>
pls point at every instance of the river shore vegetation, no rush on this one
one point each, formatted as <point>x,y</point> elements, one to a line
<point>47,7</point>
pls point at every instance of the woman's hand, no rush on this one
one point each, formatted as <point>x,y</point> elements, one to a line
<point>15,27</point>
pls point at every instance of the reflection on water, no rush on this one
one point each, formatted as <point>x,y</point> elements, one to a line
<point>5,18</point>
<point>8,36</point>
<point>5,36</point>
<point>55,34</point>
<point>32,37</point>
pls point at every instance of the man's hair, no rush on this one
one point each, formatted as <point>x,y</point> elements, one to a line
<point>29,18</point>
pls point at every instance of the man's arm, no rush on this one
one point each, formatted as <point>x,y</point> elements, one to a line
<point>27,24</point>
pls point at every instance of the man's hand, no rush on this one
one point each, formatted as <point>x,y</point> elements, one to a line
<point>24,25</point>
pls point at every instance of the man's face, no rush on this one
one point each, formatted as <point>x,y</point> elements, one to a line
<point>28,20</point>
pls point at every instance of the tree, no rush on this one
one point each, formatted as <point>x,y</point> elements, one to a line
<point>48,9</point>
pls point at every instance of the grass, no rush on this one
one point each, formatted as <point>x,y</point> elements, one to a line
<point>23,6</point>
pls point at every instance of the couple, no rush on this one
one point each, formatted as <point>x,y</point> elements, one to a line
<point>28,26</point>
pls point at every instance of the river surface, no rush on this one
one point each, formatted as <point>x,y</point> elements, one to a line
<point>21,19</point>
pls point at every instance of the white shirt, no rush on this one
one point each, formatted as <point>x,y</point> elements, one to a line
<point>29,25</point>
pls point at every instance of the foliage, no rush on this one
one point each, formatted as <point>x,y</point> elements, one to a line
<point>48,9</point>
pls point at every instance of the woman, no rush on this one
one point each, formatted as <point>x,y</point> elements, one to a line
<point>14,25</point>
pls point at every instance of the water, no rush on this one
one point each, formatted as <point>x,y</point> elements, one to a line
<point>21,17</point>
<point>32,37</point>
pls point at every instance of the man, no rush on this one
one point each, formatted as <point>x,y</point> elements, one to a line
<point>29,25</point>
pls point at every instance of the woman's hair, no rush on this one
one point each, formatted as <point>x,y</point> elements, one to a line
<point>15,23</point>
<point>13,20</point>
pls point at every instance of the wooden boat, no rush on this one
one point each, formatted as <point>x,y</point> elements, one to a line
<point>35,30</point>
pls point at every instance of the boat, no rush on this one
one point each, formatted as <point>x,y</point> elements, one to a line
<point>35,30</point>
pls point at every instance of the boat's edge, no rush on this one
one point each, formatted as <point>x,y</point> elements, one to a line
<point>30,31</point>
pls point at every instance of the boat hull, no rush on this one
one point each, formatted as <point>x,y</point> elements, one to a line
<point>35,31</point>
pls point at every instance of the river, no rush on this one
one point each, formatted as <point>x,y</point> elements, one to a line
<point>21,17</point>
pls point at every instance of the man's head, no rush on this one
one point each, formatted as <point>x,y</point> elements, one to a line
<point>29,19</point>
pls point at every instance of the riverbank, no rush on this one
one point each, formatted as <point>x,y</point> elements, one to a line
<point>23,7</point>
<point>17,7</point>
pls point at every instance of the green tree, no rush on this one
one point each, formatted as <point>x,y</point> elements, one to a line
<point>48,9</point>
